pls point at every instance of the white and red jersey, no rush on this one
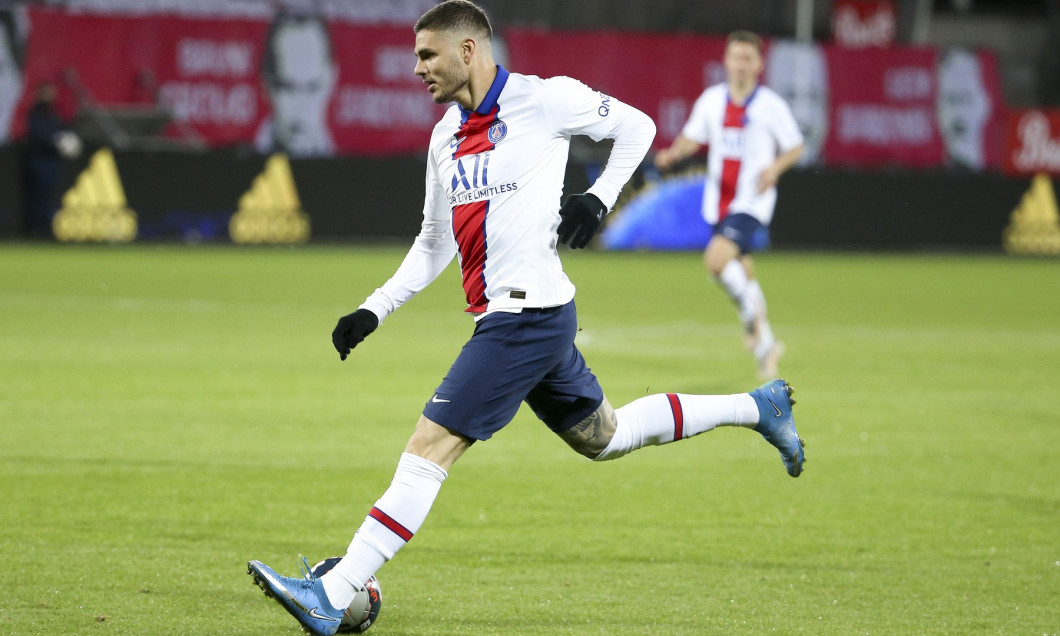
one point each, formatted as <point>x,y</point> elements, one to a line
<point>494,182</point>
<point>744,140</point>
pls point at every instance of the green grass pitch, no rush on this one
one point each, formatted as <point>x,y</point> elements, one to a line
<point>168,413</point>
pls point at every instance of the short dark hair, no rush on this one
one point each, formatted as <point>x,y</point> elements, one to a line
<point>748,37</point>
<point>455,15</point>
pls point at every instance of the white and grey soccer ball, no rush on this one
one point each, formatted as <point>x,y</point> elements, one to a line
<point>363,609</point>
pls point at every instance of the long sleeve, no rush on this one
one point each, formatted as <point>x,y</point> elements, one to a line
<point>575,109</point>
<point>633,134</point>
<point>431,252</point>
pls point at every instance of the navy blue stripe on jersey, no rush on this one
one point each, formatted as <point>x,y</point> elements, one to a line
<point>494,93</point>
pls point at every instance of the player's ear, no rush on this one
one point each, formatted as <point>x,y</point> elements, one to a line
<point>467,49</point>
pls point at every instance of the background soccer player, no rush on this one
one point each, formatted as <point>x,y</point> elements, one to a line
<point>753,139</point>
<point>495,171</point>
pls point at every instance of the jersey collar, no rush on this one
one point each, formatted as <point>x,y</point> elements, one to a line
<point>746,102</point>
<point>493,94</point>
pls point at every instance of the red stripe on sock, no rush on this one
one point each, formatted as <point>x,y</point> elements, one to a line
<point>390,524</point>
<point>679,416</point>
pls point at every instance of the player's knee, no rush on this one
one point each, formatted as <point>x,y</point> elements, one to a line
<point>719,252</point>
<point>592,436</point>
<point>715,262</point>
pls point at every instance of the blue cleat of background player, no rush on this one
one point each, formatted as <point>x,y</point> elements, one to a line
<point>303,598</point>
<point>777,425</point>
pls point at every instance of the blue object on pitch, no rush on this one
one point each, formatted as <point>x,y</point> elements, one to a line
<point>304,598</point>
<point>667,215</point>
<point>777,424</point>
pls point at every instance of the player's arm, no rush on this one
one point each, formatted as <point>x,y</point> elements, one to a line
<point>785,130</point>
<point>431,252</point>
<point>682,148</point>
<point>785,161</point>
<point>575,109</point>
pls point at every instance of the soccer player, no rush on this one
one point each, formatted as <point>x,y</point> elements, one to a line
<point>495,171</point>
<point>753,139</point>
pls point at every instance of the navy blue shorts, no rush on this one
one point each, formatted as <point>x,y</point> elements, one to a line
<point>511,358</point>
<point>744,230</point>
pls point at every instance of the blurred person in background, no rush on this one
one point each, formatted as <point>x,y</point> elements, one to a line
<point>48,143</point>
<point>495,172</point>
<point>300,75</point>
<point>753,138</point>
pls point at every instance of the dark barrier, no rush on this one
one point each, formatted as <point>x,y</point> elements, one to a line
<point>192,197</point>
<point>894,210</point>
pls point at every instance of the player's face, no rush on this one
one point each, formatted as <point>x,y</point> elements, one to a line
<point>440,65</point>
<point>743,64</point>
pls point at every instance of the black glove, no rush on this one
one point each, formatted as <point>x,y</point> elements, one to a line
<point>581,216</point>
<point>352,329</point>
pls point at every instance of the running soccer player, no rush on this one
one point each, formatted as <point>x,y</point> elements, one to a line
<point>495,172</point>
<point>753,139</point>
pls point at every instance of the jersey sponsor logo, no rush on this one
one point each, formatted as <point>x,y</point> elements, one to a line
<point>481,194</point>
<point>438,400</point>
<point>605,106</point>
<point>497,131</point>
<point>470,182</point>
<point>479,172</point>
<point>732,142</point>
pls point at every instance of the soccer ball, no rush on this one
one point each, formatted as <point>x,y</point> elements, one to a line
<point>364,608</point>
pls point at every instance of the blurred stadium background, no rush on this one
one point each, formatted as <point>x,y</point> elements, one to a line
<point>163,386</point>
<point>286,121</point>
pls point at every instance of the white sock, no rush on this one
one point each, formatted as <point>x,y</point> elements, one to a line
<point>396,516</point>
<point>733,279</point>
<point>741,290</point>
<point>664,418</point>
<point>755,296</point>
<point>766,340</point>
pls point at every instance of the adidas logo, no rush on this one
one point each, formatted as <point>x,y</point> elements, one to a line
<point>1034,227</point>
<point>95,209</point>
<point>270,212</point>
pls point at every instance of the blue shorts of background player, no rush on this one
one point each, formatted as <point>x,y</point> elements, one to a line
<point>512,358</point>
<point>745,230</point>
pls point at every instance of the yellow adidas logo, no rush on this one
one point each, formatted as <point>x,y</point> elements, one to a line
<point>270,211</point>
<point>95,209</point>
<point>1034,227</point>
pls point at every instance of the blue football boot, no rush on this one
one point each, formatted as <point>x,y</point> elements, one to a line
<point>303,598</point>
<point>777,425</point>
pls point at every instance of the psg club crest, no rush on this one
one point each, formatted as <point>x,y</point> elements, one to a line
<point>497,131</point>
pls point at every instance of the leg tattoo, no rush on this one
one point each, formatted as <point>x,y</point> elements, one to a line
<point>592,435</point>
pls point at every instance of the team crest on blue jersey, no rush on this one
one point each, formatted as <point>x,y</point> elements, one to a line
<point>497,131</point>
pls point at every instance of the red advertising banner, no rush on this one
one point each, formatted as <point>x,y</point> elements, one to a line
<point>905,106</point>
<point>207,71</point>
<point>327,84</point>
<point>1033,141</point>
<point>298,82</point>
<point>883,108</point>
<point>379,105</point>
<point>859,24</point>
<point>661,75</point>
